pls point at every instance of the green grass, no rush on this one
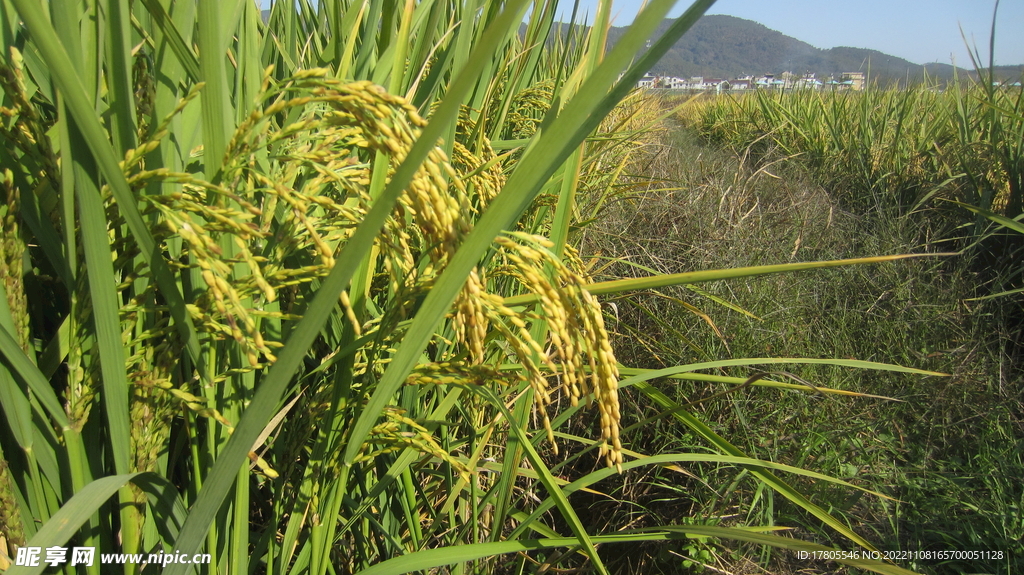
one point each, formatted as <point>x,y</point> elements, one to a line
<point>947,450</point>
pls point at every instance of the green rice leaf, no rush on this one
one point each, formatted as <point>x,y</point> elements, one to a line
<point>720,443</point>
<point>1015,225</point>
<point>16,360</point>
<point>431,558</point>
<point>216,107</point>
<point>668,459</point>
<point>66,522</point>
<point>174,39</point>
<point>547,479</point>
<point>264,403</point>
<point>117,34</point>
<point>647,375</point>
<point>81,107</point>
<point>653,282</point>
<point>95,243</point>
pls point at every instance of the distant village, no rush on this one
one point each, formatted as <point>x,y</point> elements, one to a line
<point>785,81</point>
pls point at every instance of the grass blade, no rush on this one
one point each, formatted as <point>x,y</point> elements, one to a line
<point>80,106</point>
<point>66,522</point>
<point>554,490</point>
<point>423,560</point>
<point>654,282</point>
<point>720,443</point>
<point>174,39</point>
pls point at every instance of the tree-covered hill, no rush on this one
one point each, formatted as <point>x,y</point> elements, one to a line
<point>730,47</point>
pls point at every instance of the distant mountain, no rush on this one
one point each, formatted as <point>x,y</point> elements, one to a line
<point>729,47</point>
<point>721,46</point>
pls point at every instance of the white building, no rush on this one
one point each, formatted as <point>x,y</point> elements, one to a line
<point>807,82</point>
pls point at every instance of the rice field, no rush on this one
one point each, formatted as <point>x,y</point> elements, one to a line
<point>898,150</point>
<point>305,294</point>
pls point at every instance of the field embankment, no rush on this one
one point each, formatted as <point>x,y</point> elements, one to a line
<point>805,177</point>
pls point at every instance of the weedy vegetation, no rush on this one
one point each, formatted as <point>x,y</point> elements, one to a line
<point>305,294</point>
<point>832,175</point>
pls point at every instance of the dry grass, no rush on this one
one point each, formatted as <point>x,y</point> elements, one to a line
<point>707,207</point>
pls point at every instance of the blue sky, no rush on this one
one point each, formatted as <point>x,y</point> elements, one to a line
<point>918,30</point>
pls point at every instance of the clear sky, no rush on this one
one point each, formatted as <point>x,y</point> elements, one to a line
<point>921,31</point>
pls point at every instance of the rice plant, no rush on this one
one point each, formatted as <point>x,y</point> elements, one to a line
<point>301,294</point>
<point>888,149</point>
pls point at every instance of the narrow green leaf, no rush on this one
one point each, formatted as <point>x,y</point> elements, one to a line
<point>103,296</point>
<point>217,111</point>
<point>186,57</point>
<point>80,106</point>
<point>107,325</point>
<point>66,522</point>
<point>13,401</point>
<point>653,282</point>
<point>118,68</point>
<point>547,480</point>
<point>16,360</point>
<point>647,375</point>
<point>265,401</point>
<point>1004,221</point>
<point>666,459</point>
<point>428,559</point>
<point>628,371</point>
<point>720,443</point>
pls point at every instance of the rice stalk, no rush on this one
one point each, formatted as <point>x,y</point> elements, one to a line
<point>311,290</point>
